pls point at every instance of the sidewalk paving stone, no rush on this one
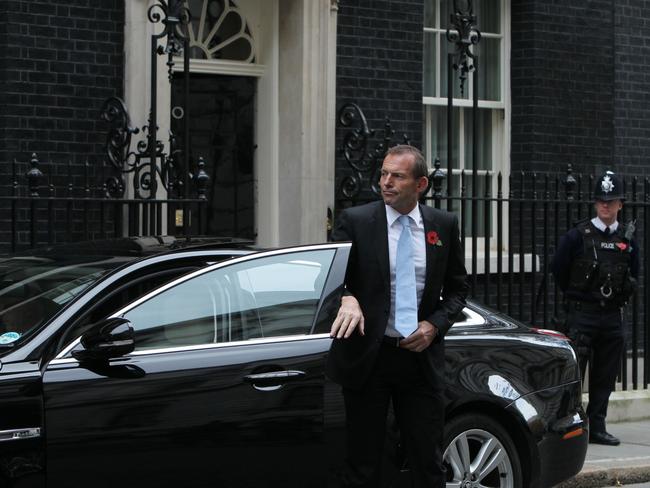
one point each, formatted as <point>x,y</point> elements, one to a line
<point>625,464</point>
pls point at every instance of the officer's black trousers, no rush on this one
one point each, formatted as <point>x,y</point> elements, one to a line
<point>598,339</point>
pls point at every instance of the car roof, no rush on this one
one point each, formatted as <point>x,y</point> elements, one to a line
<point>136,246</point>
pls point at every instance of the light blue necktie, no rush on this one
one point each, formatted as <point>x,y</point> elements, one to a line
<point>406,300</point>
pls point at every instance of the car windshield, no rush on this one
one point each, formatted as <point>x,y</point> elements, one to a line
<point>33,288</point>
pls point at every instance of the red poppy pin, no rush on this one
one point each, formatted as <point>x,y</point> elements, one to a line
<point>433,239</point>
<point>621,245</point>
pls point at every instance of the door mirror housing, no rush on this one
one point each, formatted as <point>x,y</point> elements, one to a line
<point>109,338</point>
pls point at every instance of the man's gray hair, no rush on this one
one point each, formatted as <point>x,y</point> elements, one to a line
<point>419,165</point>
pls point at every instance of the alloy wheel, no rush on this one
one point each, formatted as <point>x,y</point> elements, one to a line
<point>476,458</point>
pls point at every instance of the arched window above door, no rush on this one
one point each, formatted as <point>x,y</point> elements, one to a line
<point>218,31</point>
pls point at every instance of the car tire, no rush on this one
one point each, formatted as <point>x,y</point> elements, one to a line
<point>479,451</point>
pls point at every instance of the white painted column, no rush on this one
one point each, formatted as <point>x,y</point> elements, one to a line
<point>267,128</point>
<point>137,74</point>
<point>307,108</point>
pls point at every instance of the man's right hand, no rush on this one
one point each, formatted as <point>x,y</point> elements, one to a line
<point>347,319</point>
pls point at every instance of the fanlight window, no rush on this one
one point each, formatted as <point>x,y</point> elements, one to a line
<point>218,30</point>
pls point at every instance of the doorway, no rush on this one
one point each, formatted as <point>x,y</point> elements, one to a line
<point>222,114</point>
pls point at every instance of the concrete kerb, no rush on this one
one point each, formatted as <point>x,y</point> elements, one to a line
<point>626,406</point>
<point>629,418</point>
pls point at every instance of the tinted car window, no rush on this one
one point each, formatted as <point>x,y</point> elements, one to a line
<point>113,300</point>
<point>34,288</point>
<point>265,297</point>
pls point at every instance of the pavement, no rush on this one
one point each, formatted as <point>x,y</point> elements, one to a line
<point>626,464</point>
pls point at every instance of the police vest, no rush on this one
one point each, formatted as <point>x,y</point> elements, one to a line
<point>603,269</point>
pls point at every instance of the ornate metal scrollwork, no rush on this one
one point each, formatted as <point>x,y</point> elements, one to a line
<point>173,15</point>
<point>118,139</point>
<point>118,143</point>
<point>148,163</point>
<point>464,34</point>
<point>365,163</point>
<point>125,160</point>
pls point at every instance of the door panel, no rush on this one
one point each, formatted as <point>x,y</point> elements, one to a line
<point>189,417</point>
<point>226,386</point>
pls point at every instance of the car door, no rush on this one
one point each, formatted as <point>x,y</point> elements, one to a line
<point>225,386</point>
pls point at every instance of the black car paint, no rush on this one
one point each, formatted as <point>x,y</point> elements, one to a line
<point>22,461</point>
<point>246,436</point>
<point>188,412</point>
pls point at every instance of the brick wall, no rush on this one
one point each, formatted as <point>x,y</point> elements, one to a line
<point>563,91</point>
<point>632,86</point>
<point>58,62</point>
<point>379,65</point>
<point>579,89</point>
<point>580,95</point>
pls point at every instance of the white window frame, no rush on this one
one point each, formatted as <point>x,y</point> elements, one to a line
<point>501,118</point>
<point>501,140</point>
<point>467,102</point>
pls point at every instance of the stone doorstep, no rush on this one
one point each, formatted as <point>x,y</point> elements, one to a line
<point>626,406</point>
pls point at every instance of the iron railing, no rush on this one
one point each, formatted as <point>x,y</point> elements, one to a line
<point>509,256</point>
<point>509,231</point>
<point>37,212</point>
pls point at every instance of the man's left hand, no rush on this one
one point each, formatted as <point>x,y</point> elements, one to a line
<point>422,338</point>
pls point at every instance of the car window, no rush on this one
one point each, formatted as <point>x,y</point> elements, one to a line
<point>264,297</point>
<point>116,298</point>
<point>34,288</point>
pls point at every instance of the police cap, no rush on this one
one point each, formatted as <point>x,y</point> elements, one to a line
<point>609,187</point>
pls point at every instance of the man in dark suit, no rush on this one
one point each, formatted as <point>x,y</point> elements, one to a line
<point>389,331</point>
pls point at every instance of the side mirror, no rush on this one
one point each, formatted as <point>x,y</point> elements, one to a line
<point>106,339</point>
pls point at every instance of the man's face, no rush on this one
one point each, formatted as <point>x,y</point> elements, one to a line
<point>607,210</point>
<point>399,188</point>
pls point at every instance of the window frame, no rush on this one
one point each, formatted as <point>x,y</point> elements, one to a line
<point>501,116</point>
<point>66,354</point>
<point>440,33</point>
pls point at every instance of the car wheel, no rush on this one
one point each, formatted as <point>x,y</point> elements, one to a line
<point>479,453</point>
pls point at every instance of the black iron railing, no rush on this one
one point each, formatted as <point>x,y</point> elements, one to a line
<point>38,213</point>
<point>510,226</point>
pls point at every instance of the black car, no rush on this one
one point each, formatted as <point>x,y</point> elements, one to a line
<point>150,363</point>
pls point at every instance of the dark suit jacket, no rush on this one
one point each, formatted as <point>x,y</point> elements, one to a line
<point>368,278</point>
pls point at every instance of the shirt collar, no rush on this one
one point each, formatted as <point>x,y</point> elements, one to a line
<point>601,226</point>
<point>392,215</point>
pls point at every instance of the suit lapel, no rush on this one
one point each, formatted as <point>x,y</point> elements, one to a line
<point>429,226</point>
<point>380,224</point>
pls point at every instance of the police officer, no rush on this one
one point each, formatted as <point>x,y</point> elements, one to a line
<point>596,265</point>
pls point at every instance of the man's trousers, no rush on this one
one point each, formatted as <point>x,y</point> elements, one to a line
<point>419,411</point>
<point>598,339</point>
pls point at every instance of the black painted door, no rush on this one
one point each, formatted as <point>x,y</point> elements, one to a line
<point>221,119</point>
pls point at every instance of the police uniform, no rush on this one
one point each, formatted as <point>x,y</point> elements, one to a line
<point>596,266</point>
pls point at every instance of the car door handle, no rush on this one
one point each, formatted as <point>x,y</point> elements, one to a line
<point>273,380</point>
<point>285,374</point>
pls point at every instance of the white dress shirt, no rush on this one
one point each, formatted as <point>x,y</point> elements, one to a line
<point>601,226</point>
<point>419,256</point>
